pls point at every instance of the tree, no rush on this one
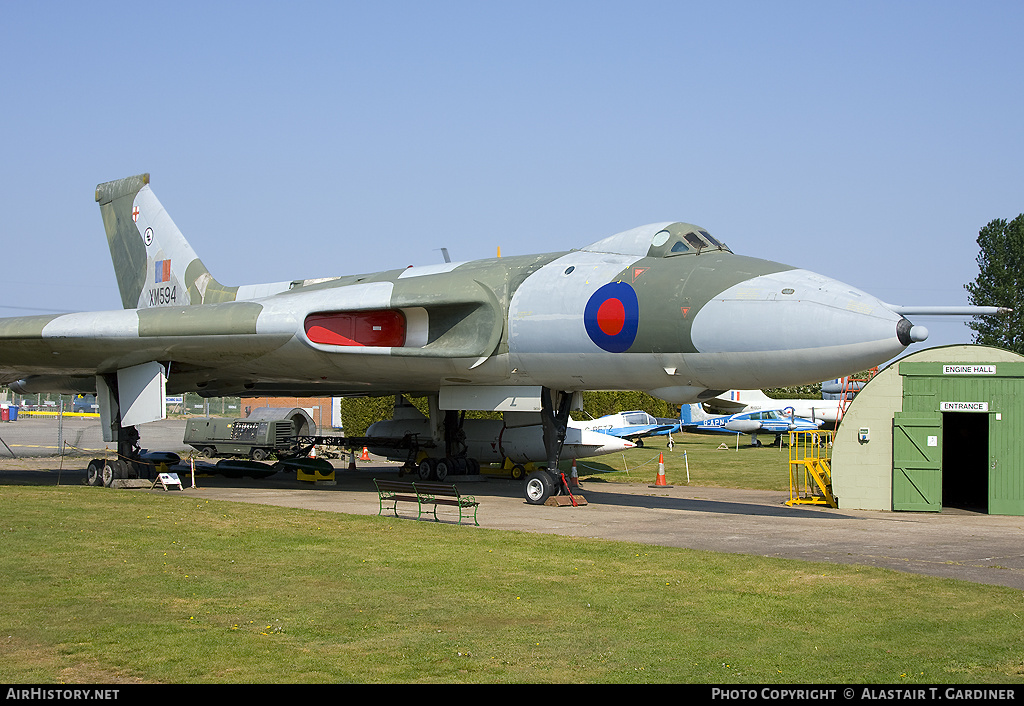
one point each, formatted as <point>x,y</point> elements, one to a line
<point>1000,282</point>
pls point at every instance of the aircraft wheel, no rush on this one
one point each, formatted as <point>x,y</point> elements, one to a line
<point>518,472</point>
<point>539,487</point>
<point>94,474</point>
<point>473,466</point>
<point>111,471</point>
<point>639,443</point>
<point>444,468</point>
<point>426,469</point>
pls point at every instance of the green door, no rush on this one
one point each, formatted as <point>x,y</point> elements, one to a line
<point>917,463</point>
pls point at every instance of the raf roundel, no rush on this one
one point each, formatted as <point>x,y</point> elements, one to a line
<point>611,317</point>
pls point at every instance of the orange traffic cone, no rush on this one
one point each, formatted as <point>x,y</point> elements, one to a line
<point>660,482</point>
<point>351,460</point>
<point>574,478</point>
<point>365,456</point>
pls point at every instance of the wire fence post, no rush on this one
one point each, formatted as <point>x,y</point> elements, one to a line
<point>60,426</point>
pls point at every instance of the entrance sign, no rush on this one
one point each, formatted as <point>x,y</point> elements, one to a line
<point>964,406</point>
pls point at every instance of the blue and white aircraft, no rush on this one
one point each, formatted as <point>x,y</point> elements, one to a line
<point>770,421</point>
<point>828,409</point>
<point>632,426</point>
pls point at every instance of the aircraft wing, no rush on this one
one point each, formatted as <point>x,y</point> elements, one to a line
<point>361,334</point>
<point>639,432</point>
<point>282,344</point>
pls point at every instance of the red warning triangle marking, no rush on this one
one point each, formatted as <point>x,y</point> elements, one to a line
<point>685,310</point>
<point>637,271</point>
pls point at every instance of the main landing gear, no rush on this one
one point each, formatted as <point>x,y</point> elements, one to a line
<point>441,468</point>
<point>128,462</point>
<point>447,430</point>
<point>545,483</point>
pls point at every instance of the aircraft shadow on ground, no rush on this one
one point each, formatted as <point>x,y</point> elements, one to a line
<point>492,486</point>
<point>652,502</point>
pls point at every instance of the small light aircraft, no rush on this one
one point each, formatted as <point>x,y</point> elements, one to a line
<point>736,401</point>
<point>693,418</point>
<point>664,308</point>
<point>634,425</point>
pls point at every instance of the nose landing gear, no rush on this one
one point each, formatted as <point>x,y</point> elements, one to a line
<point>547,483</point>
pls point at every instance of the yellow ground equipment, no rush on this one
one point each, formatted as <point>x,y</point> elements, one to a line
<point>810,472</point>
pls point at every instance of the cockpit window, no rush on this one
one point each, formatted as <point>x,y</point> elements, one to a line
<point>637,418</point>
<point>695,241</point>
<point>707,236</point>
<point>667,240</point>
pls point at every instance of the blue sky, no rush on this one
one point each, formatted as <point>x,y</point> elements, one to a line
<point>868,141</point>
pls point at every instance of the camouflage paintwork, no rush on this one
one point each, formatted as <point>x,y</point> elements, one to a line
<point>129,209</point>
<point>512,321</point>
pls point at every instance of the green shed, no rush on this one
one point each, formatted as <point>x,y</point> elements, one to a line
<point>943,427</point>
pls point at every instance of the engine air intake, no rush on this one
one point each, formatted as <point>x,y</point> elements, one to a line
<point>383,328</point>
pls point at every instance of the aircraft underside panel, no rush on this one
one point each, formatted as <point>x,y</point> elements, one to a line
<point>142,394</point>
<point>491,398</point>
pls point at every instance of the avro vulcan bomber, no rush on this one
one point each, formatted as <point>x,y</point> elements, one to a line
<point>665,308</point>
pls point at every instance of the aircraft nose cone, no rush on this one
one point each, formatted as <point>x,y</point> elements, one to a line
<point>800,323</point>
<point>595,443</point>
<point>794,309</point>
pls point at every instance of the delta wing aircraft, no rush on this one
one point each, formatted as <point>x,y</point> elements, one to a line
<point>665,308</point>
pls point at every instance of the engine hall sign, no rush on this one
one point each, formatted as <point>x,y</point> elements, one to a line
<point>968,370</point>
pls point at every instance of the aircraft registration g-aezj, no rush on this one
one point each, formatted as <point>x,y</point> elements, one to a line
<point>664,308</point>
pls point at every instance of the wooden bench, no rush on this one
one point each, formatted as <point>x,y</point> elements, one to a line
<point>434,494</point>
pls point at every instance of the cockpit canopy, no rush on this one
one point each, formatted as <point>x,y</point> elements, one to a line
<point>660,240</point>
<point>638,418</point>
<point>770,415</point>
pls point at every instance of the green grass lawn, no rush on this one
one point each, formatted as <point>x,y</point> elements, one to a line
<point>105,587</point>
<point>699,457</point>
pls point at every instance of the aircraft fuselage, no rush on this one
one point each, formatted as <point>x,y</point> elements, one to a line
<point>621,314</point>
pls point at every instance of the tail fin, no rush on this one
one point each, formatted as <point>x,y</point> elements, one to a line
<point>685,414</point>
<point>692,413</point>
<point>155,265</point>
